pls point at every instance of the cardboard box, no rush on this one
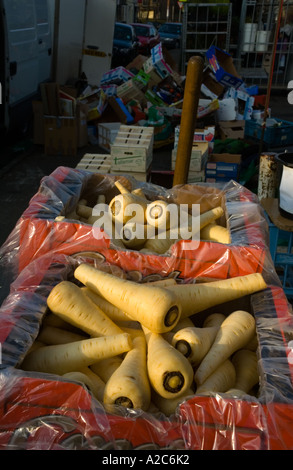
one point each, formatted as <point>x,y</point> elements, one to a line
<point>39,134</point>
<point>60,135</point>
<point>231,129</point>
<point>64,135</point>
<point>130,91</point>
<point>149,69</point>
<point>223,67</point>
<point>198,158</point>
<point>82,125</point>
<point>244,103</point>
<point>137,64</point>
<point>196,177</point>
<point>116,76</point>
<point>210,87</point>
<point>159,63</point>
<point>120,110</point>
<point>200,135</point>
<point>223,167</point>
<point>96,101</point>
<point>206,107</point>
<point>107,133</point>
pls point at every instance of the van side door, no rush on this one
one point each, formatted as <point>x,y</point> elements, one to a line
<point>22,69</point>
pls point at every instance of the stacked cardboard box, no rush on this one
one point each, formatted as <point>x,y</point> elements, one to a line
<point>64,120</point>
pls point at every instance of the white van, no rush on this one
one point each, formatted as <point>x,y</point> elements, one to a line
<point>45,40</point>
<point>26,57</point>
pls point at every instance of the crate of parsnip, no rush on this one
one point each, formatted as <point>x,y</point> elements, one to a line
<point>94,360</point>
<point>61,219</point>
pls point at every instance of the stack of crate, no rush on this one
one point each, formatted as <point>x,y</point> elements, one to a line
<point>198,160</point>
<point>132,152</point>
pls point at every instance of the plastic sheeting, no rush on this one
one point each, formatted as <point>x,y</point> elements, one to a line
<point>37,233</point>
<point>43,411</point>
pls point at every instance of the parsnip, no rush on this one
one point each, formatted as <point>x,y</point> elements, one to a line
<point>129,386</point>
<point>214,319</point>
<point>220,380</point>
<point>235,393</point>
<point>195,298</point>
<point>160,244</point>
<point>71,357</point>
<point>78,376</point>
<point>183,323</point>
<point>194,343</point>
<point>68,301</point>
<point>253,343</point>
<point>36,345</point>
<point>101,199</point>
<point>235,331</point>
<point>216,233</point>
<point>50,319</point>
<point>121,187</point>
<point>90,379</point>
<point>170,373</point>
<point>245,363</point>
<point>139,192</point>
<point>52,335</point>
<point>104,368</point>
<point>127,206</point>
<point>168,406</point>
<point>158,214</point>
<point>133,235</point>
<point>84,211</point>
<point>154,307</point>
<point>109,309</point>
<point>169,281</point>
<point>210,216</point>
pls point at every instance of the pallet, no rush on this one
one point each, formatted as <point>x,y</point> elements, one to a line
<point>96,163</point>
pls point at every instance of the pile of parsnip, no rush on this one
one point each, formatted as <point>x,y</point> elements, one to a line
<point>153,213</point>
<point>135,345</point>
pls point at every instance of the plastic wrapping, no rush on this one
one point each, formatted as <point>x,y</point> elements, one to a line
<point>37,233</point>
<point>43,411</point>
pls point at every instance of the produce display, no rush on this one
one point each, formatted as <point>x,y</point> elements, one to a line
<point>132,221</point>
<point>158,357</point>
<point>115,341</point>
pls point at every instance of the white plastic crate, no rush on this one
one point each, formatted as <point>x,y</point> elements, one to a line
<point>107,132</point>
<point>97,163</point>
<point>132,150</point>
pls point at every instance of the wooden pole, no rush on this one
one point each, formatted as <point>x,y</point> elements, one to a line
<point>193,83</point>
